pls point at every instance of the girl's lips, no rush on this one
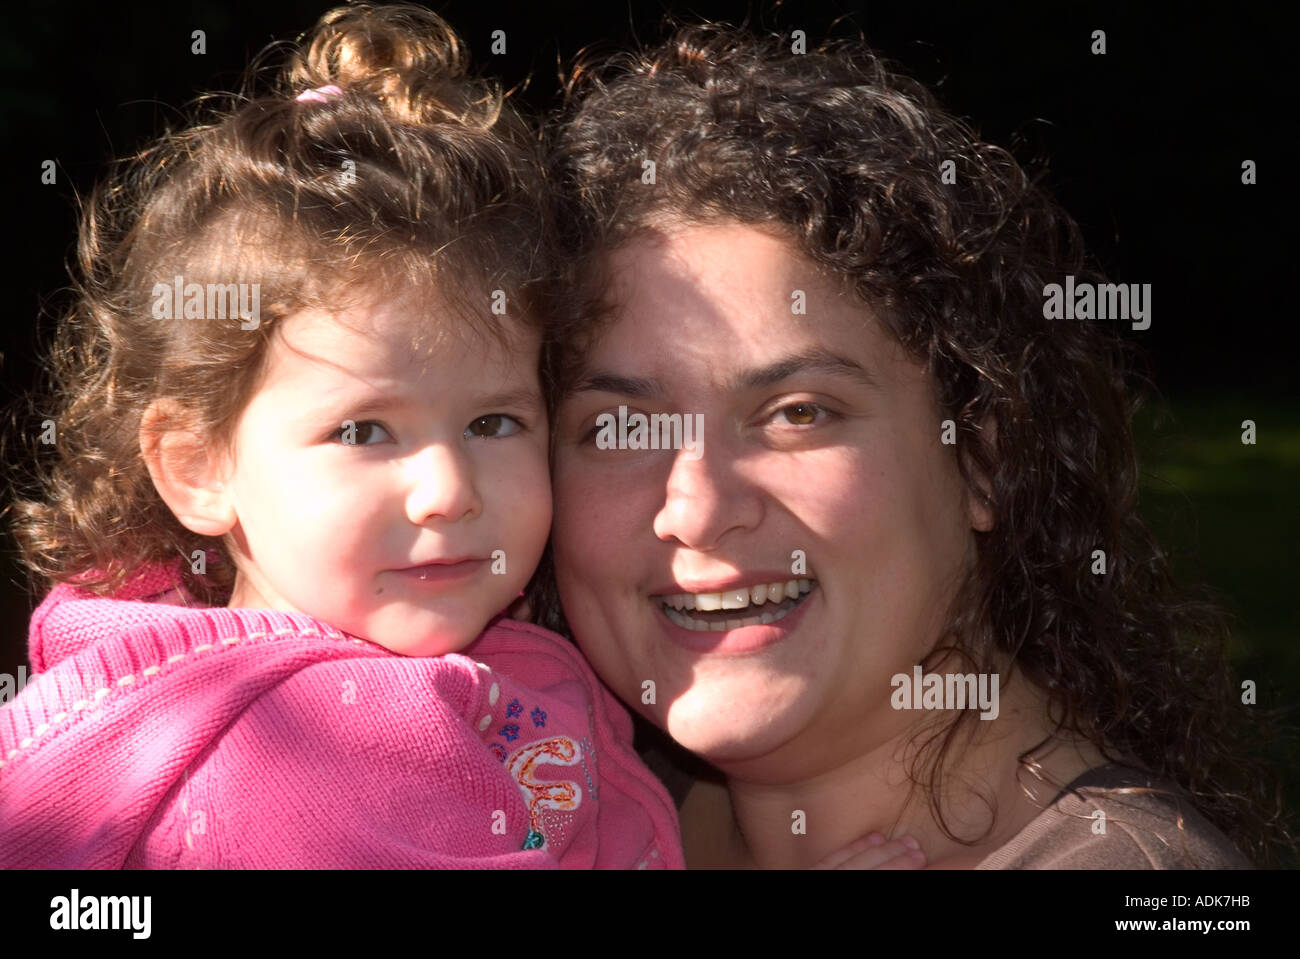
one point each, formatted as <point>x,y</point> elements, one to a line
<point>441,572</point>
<point>743,639</point>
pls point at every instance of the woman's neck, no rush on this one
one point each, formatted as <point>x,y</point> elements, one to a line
<point>795,825</point>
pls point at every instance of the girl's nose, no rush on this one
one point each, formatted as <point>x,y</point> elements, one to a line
<point>442,484</point>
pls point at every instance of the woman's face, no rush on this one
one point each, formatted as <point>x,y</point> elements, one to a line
<point>821,460</point>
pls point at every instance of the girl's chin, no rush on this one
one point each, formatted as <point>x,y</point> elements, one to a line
<point>420,634</point>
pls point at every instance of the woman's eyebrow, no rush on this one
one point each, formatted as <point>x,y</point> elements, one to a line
<point>811,361</point>
<point>816,360</point>
<point>601,381</point>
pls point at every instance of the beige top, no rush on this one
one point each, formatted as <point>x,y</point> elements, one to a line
<point>1091,826</point>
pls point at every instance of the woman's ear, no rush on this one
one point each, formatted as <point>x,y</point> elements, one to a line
<point>979,492</point>
<point>189,475</point>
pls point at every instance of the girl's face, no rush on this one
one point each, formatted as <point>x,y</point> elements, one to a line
<point>821,461</point>
<point>403,502</point>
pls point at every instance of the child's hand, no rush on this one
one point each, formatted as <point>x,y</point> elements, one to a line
<point>874,852</point>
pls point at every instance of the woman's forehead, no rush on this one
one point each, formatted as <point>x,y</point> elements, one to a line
<point>722,249</point>
<point>735,299</point>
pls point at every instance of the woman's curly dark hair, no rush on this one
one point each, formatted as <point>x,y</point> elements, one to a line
<point>845,156</point>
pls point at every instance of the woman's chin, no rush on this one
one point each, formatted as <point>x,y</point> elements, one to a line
<point>726,731</point>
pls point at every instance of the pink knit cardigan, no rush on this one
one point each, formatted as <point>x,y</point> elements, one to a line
<point>163,736</point>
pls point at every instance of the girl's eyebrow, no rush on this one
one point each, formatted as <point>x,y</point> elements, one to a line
<point>815,361</point>
<point>523,398</point>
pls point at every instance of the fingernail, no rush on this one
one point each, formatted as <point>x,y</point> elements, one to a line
<point>911,843</point>
<point>876,839</point>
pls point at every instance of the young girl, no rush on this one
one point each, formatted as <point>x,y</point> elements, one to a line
<point>300,470</point>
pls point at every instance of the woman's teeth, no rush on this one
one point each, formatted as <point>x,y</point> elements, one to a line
<point>781,597</point>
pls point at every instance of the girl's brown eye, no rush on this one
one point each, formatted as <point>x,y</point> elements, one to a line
<point>493,425</point>
<point>363,433</point>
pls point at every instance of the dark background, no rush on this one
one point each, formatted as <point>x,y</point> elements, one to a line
<point>1143,145</point>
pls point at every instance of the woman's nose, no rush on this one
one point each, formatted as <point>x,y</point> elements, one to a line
<point>442,484</point>
<point>706,498</point>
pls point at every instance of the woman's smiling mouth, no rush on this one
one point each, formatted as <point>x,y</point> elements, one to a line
<point>737,620</point>
<point>732,609</point>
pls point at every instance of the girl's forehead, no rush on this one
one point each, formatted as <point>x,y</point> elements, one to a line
<point>423,316</point>
<point>321,383</point>
<point>381,338</point>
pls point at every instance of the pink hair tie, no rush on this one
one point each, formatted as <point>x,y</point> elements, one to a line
<point>320,94</point>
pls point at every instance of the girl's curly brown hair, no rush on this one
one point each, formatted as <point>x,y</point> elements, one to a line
<point>845,156</point>
<point>416,179</point>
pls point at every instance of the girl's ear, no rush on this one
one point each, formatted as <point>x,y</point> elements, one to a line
<point>189,475</point>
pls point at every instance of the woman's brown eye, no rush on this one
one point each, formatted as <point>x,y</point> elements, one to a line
<point>801,414</point>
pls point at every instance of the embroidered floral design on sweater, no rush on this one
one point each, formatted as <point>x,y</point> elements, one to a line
<point>539,796</point>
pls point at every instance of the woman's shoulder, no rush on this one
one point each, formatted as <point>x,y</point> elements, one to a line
<point>1118,817</point>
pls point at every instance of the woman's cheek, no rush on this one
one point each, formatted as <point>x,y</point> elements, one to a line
<point>527,515</point>
<point>578,497</point>
<point>834,497</point>
<point>600,535</point>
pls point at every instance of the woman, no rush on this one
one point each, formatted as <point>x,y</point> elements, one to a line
<point>900,587</point>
